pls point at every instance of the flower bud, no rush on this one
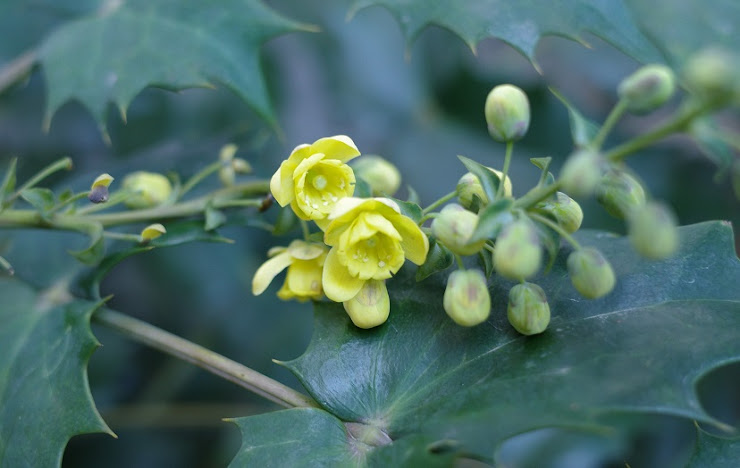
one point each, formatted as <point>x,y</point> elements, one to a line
<point>507,113</point>
<point>241,166</point>
<point>371,306</point>
<point>528,311</point>
<point>151,232</point>
<point>567,212</point>
<point>99,188</point>
<point>226,157</point>
<point>466,299</point>
<point>581,173</point>
<point>469,186</point>
<point>620,193</point>
<point>454,226</point>
<point>517,254</point>
<point>652,231</point>
<point>590,273</point>
<point>148,189</point>
<point>648,88</point>
<point>713,73</point>
<point>382,176</point>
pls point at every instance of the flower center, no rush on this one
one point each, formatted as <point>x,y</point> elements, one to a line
<point>319,182</point>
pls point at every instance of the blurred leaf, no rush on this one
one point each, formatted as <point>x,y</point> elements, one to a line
<point>413,196</point>
<point>44,395</point>
<point>714,452</point>
<point>492,219</point>
<point>362,189</point>
<point>214,218</point>
<point>524,22</point>
<point>173,44</point>
<point>8,185</point>
<point>488,179</point>
<point>40,198</point>
<point>638,350</point>
<point>94,252</point>
<point>542,163</point>
<point>286,221</point>
<point>550,240</point>
<point>410,209</point>
<point>714,143</point>
<point>485,258</point>
<point>439,258</point>
<point>582,130</point>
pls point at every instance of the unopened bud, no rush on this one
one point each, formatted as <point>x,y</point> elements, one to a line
<point>148,189</point>
<point>469,187</point>
<point>648,88</point>
<point>567,212</point>
<point>652,231</point>
<point>466,299</point>
<point>241,166</point>
<point>507,113</point>
<point>517,254</point>
<point>151,232</point>
<point>591,274</point>
<point>713,73</point>
<point>226,172</point>
<point>581,173</point>
<point>99,189</point>
<point>619,193</point>
<point>371,306</point>
<point>382,176</point>
<point>454,226</point>
<point>528,311</point>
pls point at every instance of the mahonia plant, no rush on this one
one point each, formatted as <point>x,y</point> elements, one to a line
<point>364,241</point>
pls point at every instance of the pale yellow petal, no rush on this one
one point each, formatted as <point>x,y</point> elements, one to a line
<point>304,279</point>
<point>336,147</point>
<point>339,285</point>
<point>371,306</point>
<point>299,153</point>
<point>414,242</point>
<point>265,273</point>
<point>281,184</point>
<point>305,250</point>
<point>346,207</point>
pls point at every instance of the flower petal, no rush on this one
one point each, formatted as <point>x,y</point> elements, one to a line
<point>414,242</point>
<point>336,147</point>
<point>299,153</point>
<point>281,184</point>
<point>265,273</point>
<point>339,285</point>
<point>304,279</point>
<point>371,306</point>
<point>305,251</point>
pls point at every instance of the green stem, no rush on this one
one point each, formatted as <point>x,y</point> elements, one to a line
<point>204,358</point>
<point>122,236</point>
<point>305,230</point>
<point>199,176</point>
<point>70,200</point>
<point>611,120</point>
<point>505,170</point>
<point>556,227</point>
<point>536,195</point>
<point>439,202</point>
<point>678,124</point>
<point>6,266</point>
<point>426,218</point>
<point>116,198</point>
<point>62,164</point>
<point>459,260</point>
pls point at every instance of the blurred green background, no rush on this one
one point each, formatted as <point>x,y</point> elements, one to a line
<point>417,105</point>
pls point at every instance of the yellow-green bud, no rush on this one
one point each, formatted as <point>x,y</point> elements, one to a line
<point>566,211</point>
<point>648,88</point>
<point>528,311</point>
<point>581,173</point>
<point>382,176</point>
<point>226,157</point>
<point>148,189</point>
<point>507,113</point>
<point>590,273</point>
<point>467,300</point>
<point>517,254</point>
<point>371,306</point>
<point>99,188</point>
<point>454,226</point>
<point>713,73</point>
<point>151,232</point>
<point>620,193</point>
<point>469,186</point>
<point>241,166</point>
<point>652,231</point>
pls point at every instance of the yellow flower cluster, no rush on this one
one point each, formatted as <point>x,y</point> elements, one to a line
<point>369,238</point>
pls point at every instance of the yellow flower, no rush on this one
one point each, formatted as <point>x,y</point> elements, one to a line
<point>304,262</point>
<point>370,240</point>
<point>315,177</point>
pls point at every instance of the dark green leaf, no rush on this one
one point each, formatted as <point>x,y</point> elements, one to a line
<point>40,198</point>
<point>44,395</point>
<point>8,185</point>
<point>714,452</point>
<point>638,350</point>
<point>713,142</point>
<point>550,240</point>
<point>412,210</point>
<point>413,196</point>
<point>488,179</point>
<point>95,250</point>
<point>524,22</point>
<point>492,219</point>
<point>362,189</point>
<point>174,44</point>
<point>286,221</point>
<point>439,258</point>
<point>485,258</point>
<point>582,130</point>
<point>214,218</point>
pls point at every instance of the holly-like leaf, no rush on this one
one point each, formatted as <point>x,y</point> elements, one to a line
<point>439,258</point>
<point>640,349</point>
<point>582,130</point>
<point>523,23</point>
<point>174,44</point>
<point>714,451</point>
<point>44,395</point>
